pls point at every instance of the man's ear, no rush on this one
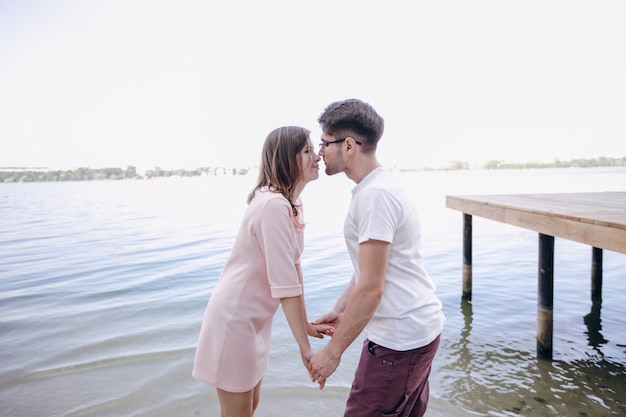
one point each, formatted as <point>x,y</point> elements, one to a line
<point>350,144</point>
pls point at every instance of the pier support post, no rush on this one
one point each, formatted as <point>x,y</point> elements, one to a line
<point>467,256</point>
<point>596,274</point>
<point>545,296</point>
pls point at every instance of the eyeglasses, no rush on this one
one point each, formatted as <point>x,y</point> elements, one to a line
<point>325,144</point>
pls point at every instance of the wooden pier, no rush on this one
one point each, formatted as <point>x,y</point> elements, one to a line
<point>595,219</point>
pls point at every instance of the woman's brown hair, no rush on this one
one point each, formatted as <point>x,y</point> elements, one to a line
<point>280,169</point>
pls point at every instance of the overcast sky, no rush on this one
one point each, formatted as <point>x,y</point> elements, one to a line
<point>185,84</point>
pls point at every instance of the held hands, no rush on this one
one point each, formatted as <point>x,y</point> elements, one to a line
<point>319,366</point>
<point>319,330</point>
<point>315,330</point>
<point>322,365</point>
<point>331,318</point>
<point>324,326</point>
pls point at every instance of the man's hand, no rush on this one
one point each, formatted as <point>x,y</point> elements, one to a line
<point>332,318</point>
<point>322,364</point>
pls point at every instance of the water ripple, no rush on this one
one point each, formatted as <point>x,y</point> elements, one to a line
<point>103,286</point>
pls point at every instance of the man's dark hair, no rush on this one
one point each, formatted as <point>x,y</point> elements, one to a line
<point>353,116</point>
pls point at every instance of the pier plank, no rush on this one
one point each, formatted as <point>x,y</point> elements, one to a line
<point>596,219</point>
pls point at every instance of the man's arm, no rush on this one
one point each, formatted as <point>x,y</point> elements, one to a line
<point>363,301</point>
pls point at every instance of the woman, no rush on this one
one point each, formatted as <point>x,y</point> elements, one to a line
<point>262,271</point>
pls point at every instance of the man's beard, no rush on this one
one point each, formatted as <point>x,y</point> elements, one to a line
<point>334,168</point>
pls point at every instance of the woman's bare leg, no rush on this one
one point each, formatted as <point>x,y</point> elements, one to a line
<point>256,396</point>
<point>239,404</point>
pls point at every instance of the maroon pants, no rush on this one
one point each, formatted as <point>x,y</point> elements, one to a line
<point>391,383</point>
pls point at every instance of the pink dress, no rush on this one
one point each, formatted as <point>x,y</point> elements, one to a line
<point>234,342</point>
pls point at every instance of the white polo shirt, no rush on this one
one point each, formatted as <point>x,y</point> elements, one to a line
<point>410,314</point>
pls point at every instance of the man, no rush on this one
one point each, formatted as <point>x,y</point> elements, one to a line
<point>390,295</point>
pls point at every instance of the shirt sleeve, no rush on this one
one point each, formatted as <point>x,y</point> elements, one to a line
<point>379,214</point>
<point>279,242</point>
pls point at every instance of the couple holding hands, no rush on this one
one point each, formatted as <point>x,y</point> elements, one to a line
<point>390,295</point>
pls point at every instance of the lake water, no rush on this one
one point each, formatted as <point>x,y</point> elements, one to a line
<point>103,286</point>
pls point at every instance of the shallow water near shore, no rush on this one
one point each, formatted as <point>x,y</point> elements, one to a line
<point>103,286</point>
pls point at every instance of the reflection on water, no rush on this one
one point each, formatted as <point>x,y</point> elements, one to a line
<point>593,321</point>
<point>462,346</point>
<point>522,384</point>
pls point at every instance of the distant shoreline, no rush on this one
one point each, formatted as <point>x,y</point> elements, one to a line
<point>43,174</point>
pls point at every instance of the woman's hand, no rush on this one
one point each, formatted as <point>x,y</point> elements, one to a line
<point>319,330</point>
<point>306,361</point>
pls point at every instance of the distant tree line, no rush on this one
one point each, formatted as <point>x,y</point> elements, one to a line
<point>96,174</point>
<point>574,163</point>
<point>161,173</point>
<point>499,164</point>
<point>79,174</point>
<point>91,174</point>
